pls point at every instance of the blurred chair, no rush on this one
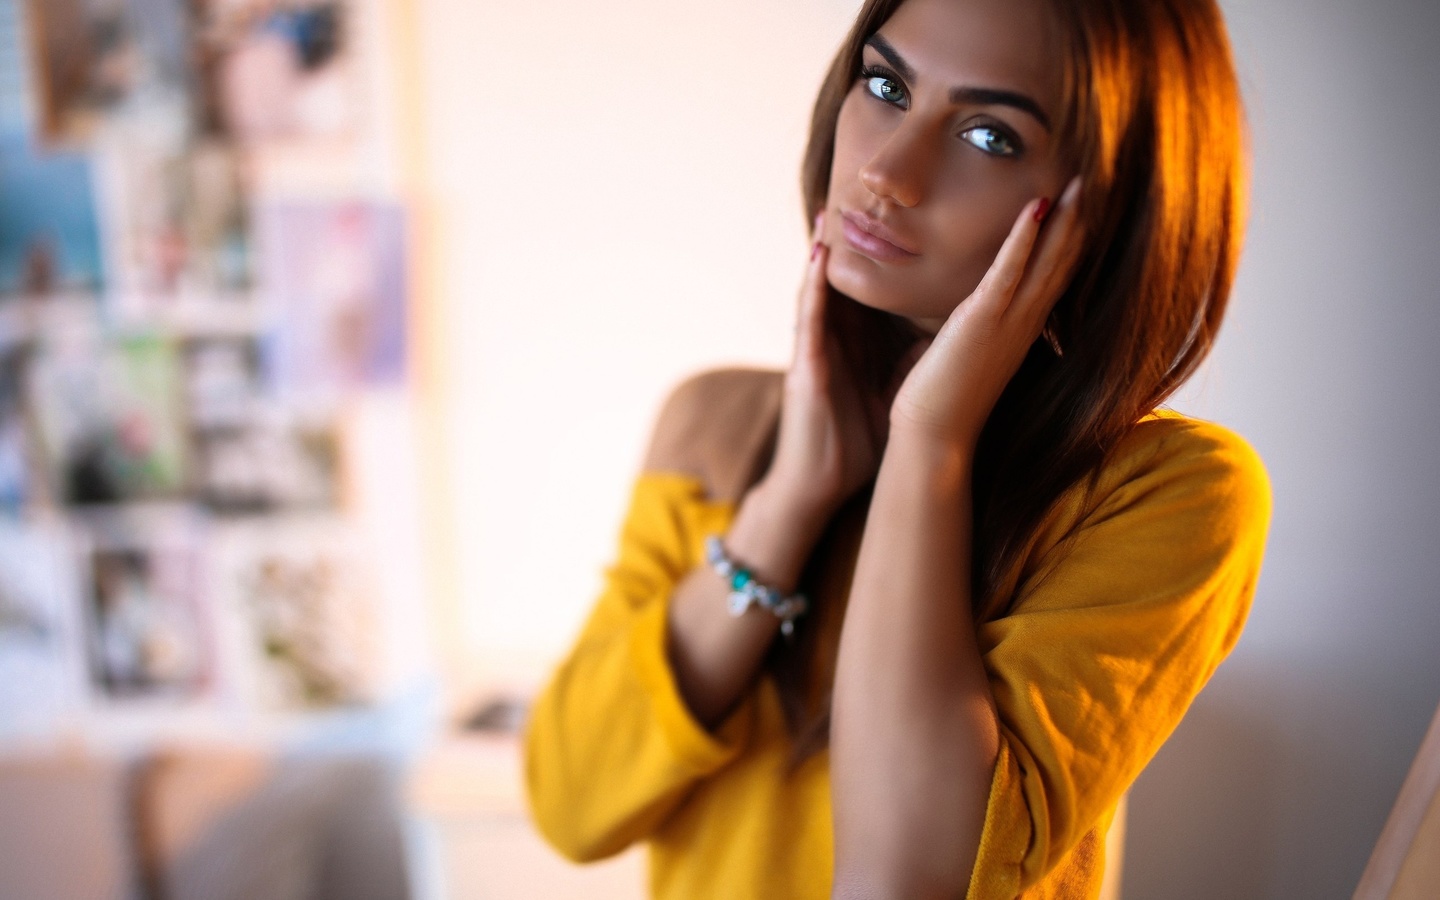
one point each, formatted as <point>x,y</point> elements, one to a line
<point>225,824</point>
<point>64,830</point>
<point>1405,864</point>
<point>201,824</point>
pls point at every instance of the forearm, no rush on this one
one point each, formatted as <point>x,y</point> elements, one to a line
<point>715,655</point>
<point>914,735</point>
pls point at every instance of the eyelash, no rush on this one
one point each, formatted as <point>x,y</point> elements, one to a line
<point>868,71</point>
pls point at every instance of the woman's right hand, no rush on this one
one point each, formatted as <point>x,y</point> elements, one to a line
<point>832,430</point>
<point>830,442</point>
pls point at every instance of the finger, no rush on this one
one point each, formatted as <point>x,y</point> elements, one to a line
<point>997,288</point>
<point>1054,258</point>
<point>810,316</point>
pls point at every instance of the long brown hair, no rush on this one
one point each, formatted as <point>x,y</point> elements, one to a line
<point>1154,120</point>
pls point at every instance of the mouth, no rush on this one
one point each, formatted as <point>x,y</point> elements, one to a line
<point>869,237</point>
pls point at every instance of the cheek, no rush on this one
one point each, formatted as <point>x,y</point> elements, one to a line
<point>857,139</point>
<point>971,235</point>
<point>971,214</point>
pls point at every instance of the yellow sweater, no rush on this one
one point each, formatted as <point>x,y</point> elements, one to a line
<point>1123,610</point>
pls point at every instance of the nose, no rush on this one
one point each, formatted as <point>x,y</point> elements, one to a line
<point>900,170</point>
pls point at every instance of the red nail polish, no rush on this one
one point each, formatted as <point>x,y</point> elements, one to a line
<point>1042,209</point>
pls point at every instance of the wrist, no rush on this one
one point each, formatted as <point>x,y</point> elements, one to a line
<point>951,431</point>
<point>773,533</point>
<point>944,464</point>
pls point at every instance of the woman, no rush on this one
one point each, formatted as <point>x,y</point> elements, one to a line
<point>1016,573</point>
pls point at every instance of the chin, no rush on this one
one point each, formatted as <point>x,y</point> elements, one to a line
<point>867,283</point>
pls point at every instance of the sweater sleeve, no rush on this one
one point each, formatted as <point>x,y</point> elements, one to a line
<point>610,746</point>
<point>1113,632</point>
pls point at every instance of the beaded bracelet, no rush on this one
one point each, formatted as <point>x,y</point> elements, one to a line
<point>745,590</point>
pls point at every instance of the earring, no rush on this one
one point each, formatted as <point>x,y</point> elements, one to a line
<point>1051,338</point>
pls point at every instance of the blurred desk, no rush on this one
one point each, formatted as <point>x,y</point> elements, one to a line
<point>467,791</point>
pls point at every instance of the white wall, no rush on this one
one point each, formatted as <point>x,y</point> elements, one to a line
<point>616,188</point>
<point>1278,782</point>
<point>615,203</point>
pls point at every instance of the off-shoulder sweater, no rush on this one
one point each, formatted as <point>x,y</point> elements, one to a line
<point>1134,589</point>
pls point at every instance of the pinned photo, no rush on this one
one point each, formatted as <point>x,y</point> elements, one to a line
<point>306,597</point>
<point>49,235</point>
<point>274,462</point>
<point>277,71</point>
<point>177,222</point>
<point>336,275</point>
<point>89,57</point>
<point>15,470</point>
<point>147,630</point>
<point>41,661</point>
<point>109,416</point>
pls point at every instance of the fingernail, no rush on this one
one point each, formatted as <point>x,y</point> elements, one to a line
<point>1072,191</point>
<point>815,251</point>
<point>819,221</point>
<point>1042,209</point>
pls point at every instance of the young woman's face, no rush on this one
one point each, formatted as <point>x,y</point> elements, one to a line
<point>943,138</point>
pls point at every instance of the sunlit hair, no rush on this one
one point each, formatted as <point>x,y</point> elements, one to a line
<point>1153,120</point>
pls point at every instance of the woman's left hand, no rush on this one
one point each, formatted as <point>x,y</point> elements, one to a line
<point>952,388</point>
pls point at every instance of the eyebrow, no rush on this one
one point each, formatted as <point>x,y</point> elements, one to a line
<point>978,96</point>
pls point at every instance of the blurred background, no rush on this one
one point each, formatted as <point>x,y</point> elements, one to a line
<point>331,334</point>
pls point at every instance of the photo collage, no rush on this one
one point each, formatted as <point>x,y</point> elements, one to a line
<point>178,346</point>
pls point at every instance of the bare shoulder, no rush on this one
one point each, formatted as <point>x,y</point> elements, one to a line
<point>718,426</point>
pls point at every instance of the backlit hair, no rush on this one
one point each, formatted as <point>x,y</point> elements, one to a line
<point>1152,119</point>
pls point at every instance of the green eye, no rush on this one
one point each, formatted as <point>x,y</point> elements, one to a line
<point>990,140</point>
<point>886,89</point>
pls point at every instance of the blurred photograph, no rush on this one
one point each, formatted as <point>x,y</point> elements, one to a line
<point>15,459</point>
<point>272,462</point>
<point>84,59</point>
<point>89,58</point>
<point>223,380</point>
<point>49,230</point>
<point>109,415</point>
<point>304,595</point>
<point>41,657</point>
<point>276,71</point>
<point>148,632</point>
<point>248,454</point>
<point>177,221</point>
<point>335,272</point>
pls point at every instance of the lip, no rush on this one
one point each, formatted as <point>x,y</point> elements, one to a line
<point>873,239</point>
